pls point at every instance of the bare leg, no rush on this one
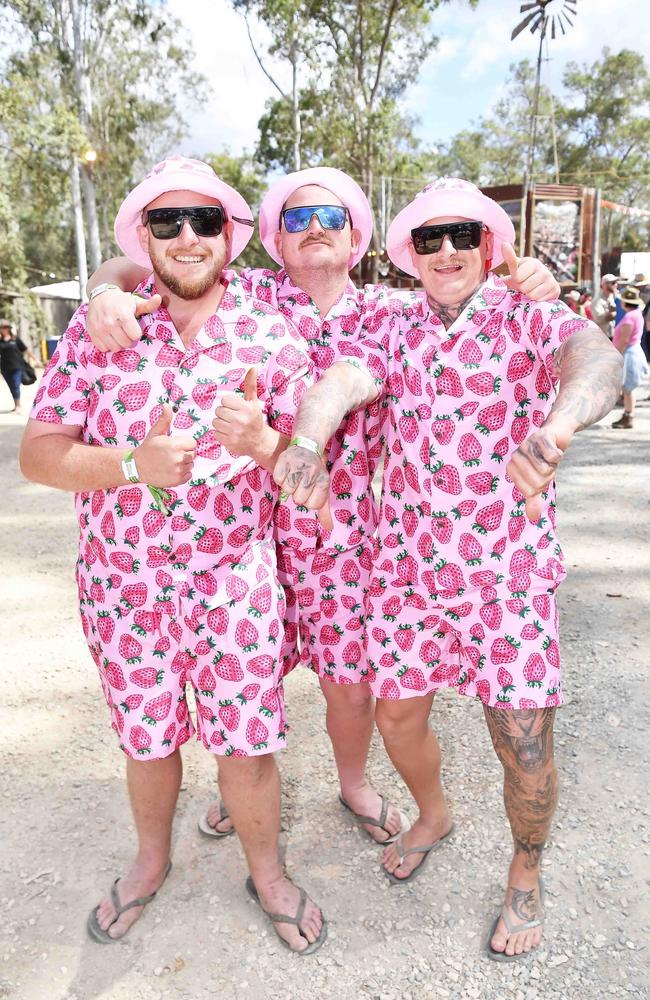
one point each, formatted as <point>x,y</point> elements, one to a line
<point>350,720</point>
<point>153,791</point>
<point>414,750</point>
<point>251,792</point>
<point>628,402</point>
<point>523,740</point>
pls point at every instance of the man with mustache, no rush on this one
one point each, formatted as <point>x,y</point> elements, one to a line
<point>177,569</point>
<point>484,391</point>
<point>316,223</point>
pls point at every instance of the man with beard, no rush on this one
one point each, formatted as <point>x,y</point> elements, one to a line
<point>177,571</point>
<point>477,382</point>
<point>315,223</point>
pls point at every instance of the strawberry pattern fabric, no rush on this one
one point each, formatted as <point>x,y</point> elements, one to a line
<point>192,595</point>
<point>326,574</point>
<point>462,591</point>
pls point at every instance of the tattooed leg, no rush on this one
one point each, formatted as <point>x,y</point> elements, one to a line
<point>523,741</point>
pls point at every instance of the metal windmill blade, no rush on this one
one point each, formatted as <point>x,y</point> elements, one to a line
<point>538,18</point>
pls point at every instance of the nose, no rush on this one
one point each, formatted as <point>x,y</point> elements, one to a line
<point>447,247</point>
<point>314,226</point>
<point>187,236</point>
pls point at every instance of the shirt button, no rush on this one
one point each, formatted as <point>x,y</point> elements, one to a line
<point>175,408</point>
<point>439,392</point>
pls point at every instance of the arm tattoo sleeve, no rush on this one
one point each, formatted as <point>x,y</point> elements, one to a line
<point>591,373</point>
<point>342,388</point>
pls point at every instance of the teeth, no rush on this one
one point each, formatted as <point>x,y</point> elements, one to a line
<point>189,260</point>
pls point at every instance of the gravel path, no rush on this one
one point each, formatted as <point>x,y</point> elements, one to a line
<point>66,831</point>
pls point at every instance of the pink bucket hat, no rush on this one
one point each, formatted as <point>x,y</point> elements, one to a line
<point>447,196</point>
<point>345,189</point>
<point>179,173</point>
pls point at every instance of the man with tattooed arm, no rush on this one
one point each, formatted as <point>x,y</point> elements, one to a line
<point>484,391</point>
<point>315,224</point>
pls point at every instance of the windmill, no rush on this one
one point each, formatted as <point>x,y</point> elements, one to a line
<point>539,16</point>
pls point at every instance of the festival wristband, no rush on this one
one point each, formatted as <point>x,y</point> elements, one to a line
<point>106,286</point>
<point>129,468</point>
<point>307,444</point>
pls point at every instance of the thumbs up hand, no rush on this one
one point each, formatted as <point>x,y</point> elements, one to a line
<point>162,460</point>
<point>239,422</point>
<point>529,276</point>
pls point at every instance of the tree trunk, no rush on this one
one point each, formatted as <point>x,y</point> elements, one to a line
<point>295,103</point>
<point>85,113</point>
<point>80,239</point>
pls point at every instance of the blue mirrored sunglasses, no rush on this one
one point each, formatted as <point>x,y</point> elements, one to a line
<point>296,220</point>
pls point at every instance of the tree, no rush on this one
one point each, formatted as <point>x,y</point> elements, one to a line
<point>245,175</point>
<point>106,74</point>
<point>362,58</point>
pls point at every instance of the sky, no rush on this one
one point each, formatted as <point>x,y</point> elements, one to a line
<point>460,81</point>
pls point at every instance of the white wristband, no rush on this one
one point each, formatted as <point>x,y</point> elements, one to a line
<point>129,468</point>
<point>106,286</point>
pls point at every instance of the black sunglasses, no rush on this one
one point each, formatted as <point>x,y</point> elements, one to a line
<point>205,220</point>
<point>463,236</point>
<point>296,220</point>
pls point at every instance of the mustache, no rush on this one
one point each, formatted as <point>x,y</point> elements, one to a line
<point>315,239</point>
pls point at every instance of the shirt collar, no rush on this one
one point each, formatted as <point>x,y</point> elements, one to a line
<point>347,302</point>
<point>489,296</point>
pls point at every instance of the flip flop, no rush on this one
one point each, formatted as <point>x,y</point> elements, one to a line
<point>99,933</point>
<point>380,823</point>
<point>500,956</point>
<point>427,849</point>
<point>210,831</point>
<point>280,918</point>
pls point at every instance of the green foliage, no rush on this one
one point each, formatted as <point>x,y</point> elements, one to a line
<point>139,71</point>
<point>247,177</point>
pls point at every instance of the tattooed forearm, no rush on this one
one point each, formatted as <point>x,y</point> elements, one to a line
<point>523,741</point>
<point>447,314</point>
<point>590,370</point>
<point>342,388</point>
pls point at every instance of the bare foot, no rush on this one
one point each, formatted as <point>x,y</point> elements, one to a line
<point>420,833</point>
<point>282,896</point>
<point>136,884</point>
<point>216,821</point>
<point>365,801</point>
<point>523,905</point>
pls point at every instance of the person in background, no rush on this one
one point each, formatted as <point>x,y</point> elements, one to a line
<point>627,340</point>
<point>574,301</point>
<point>12,353</point>
<point>603,305</point>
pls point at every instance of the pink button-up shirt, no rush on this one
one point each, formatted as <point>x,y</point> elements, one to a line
<point>356,448</point>
<point>460,401</point>
<point>115,399</point>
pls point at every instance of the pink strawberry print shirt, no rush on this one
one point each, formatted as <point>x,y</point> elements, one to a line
<point>115,398</point>
<point>459,403</point>
<point>358,444</point>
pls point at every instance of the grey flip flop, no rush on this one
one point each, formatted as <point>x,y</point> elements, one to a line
<point>280,918</point>
<point>210,831</point>
<point>380,823</point>
<point>99,933</point>
<point>529,925</point>
<point>426,849</point>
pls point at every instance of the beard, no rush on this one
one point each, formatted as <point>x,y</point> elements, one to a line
<point>191,287</point>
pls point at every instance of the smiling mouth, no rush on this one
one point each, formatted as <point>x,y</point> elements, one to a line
<point>447,269</point>
<point>188,259</point>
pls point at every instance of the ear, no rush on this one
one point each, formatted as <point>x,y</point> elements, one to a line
<point>415,258</point>
<point>489,251</point>
<point>227,232</point>
<point>277,241</point>
<point>355,241</point>
<point>143,237</point>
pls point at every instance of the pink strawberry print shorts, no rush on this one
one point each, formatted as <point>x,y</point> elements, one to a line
<point>324,622</point>
<point>499,647</point>
<point>228,648</point>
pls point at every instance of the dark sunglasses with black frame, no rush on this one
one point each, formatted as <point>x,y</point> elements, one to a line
<point>296,220</point>
<point>463,236</point>
<point>205,220</point>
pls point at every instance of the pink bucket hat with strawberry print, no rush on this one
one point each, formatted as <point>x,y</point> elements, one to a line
<point>346,190</point>
<point>449,196</point>
<point>180,173</point>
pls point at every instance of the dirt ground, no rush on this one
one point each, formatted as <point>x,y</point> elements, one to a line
<point>66,831</point>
